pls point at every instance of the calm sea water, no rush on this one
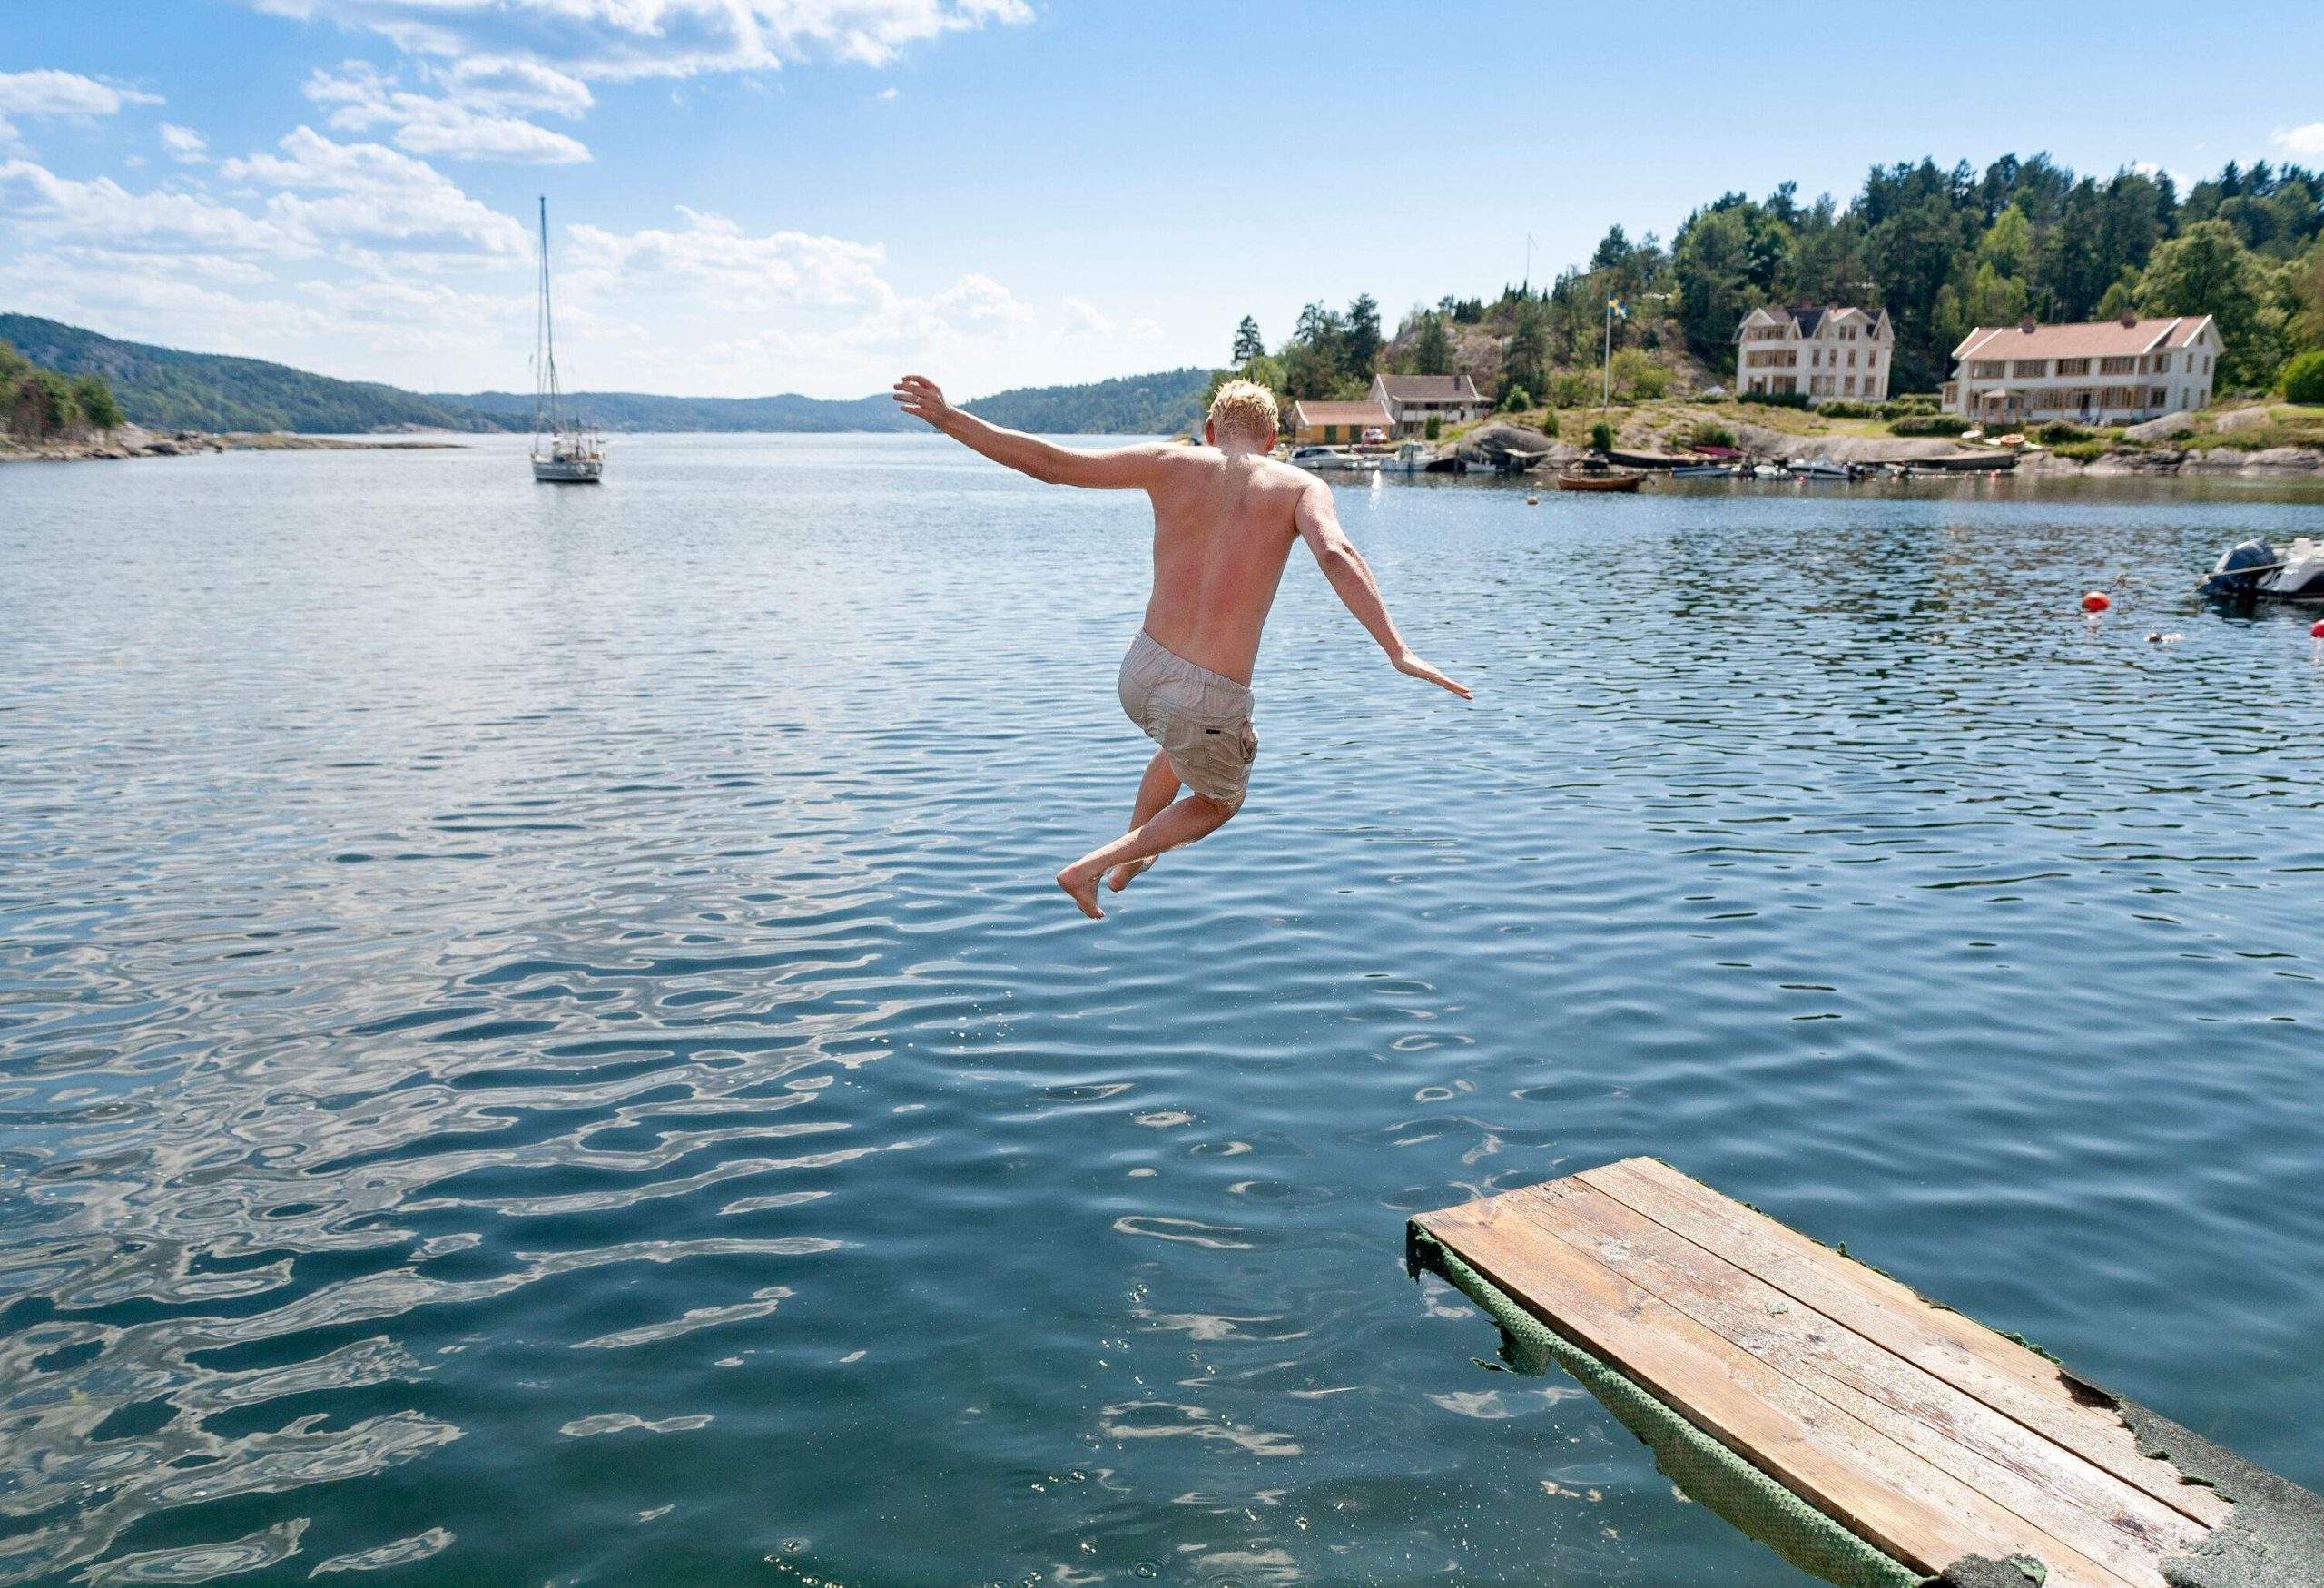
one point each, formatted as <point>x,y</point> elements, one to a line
<point>537,1044</point>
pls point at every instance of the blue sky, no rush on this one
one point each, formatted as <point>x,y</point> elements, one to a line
<point>751,196</point>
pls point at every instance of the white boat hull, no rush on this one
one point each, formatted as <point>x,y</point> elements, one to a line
<point>568,471</point>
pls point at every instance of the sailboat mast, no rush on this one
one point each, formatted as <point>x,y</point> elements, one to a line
<point>547,350</point>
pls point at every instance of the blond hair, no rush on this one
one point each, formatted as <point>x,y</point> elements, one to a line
<point>1247,409</point>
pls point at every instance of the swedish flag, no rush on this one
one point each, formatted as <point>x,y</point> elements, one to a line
<point>1614,307</point>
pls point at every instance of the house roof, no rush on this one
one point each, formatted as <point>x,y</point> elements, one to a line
<point>1340,413</point>
<point>2094,338</point>
<point>1809,320</point>
<point>1429,388</point>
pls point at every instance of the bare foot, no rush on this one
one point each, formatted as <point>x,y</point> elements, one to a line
<point>1082,890</point>
<point>1123,875</point>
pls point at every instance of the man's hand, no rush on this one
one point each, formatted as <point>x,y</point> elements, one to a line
<point>918,396</point>
<point>1411,666</point>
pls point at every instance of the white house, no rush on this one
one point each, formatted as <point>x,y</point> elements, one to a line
<point>1821,354</point>
<point>1411,400</point>
<point>2106,371</point>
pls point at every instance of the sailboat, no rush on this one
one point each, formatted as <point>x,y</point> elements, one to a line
<point>565,450</point>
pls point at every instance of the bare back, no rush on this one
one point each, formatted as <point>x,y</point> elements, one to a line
<point>1224,524</point>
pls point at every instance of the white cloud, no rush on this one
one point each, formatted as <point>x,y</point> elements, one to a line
<point>102,213</point>
<point>1145,331</point>
<point>716,257</point>
<point>185,146</point>
<point>471,127</point>
<point>1083,319</point>
<point>50,93</point>
<point>887,94</point>
<point>619,39</point>
<point>376,194</point>
<point>2303,142</point>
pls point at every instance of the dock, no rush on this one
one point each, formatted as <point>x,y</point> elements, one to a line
<point>1871,1437</point>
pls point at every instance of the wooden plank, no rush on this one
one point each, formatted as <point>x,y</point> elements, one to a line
<point>2057,1492</point>
<point>2021,1385</point>
<point>1877,1488</point>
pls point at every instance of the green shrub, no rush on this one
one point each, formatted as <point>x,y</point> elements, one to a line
<point>1910,402</point>
<point>1846,409</point>
<point>95,400</point>
<point>1602,435</point>
<point>1568,389</point>
<point>2060,430</point>
<point>1516,400</point>
<point>1929,424</point>
<point>1775,399</point>
<point>1638,377</point>
<point>1435,427</point>
<point>1709,433</point>
<point>2304,378</point>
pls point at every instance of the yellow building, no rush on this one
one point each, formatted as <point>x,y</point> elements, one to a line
<point>1338,424</point>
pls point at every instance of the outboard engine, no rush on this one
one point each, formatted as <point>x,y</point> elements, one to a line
<point>2301,577</point>
<point>2241,570</point>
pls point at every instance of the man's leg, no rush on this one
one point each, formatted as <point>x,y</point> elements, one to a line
<point>1155,790</point>
<point>1193,817</point>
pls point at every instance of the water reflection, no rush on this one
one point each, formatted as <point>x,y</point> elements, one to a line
<point>536,1042</point>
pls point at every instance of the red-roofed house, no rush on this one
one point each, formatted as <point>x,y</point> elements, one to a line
<point>1411,400</point>
<point>2104,371</point>
<point>1330,424</point>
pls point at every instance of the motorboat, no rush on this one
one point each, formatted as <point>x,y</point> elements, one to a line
<point>1705,471</point>
<point>1313,457</point>
<point>2258,571</point>
<point>1770,471</point>
<point>1821,469</point>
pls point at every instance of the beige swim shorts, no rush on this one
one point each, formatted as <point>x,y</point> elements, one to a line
<point>1201,719</point>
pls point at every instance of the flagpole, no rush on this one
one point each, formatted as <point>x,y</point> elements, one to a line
<point>1606,391</point>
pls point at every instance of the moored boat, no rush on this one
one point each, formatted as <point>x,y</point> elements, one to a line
<point>1819,469</point>
<point>565,451</point>
<point>1594,473</point>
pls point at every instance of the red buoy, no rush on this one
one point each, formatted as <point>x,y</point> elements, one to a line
<point>2097,601</point>
<point>2316,629</point>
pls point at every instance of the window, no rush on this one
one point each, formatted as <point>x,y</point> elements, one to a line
<point>2117,365</point>
<point>1851,358</point>
<point>2073,366</point>
<point>2029,369</point>
<point>1849,387</point>
<point>2161,396</point>
<point>1989,369</point>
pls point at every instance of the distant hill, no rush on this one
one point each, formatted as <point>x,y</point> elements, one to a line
<point>1131,405</point>
<point>638,411</point>
<point>165,390</point>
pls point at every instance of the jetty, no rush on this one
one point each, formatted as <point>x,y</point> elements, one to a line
<point>1874,1438</point>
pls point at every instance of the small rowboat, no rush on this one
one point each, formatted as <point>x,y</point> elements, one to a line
<point>1594,473</point>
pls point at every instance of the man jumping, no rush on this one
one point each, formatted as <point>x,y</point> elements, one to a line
<point>1224,516</point>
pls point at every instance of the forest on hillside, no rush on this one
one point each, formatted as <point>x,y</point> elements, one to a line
<point>39,404</point>
<point>1941,250</point>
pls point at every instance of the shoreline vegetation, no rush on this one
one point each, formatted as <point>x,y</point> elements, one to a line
<point>1649,328</point>
<point>172,392</point>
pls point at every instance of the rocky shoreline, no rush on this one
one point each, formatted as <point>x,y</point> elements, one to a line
<point>136,441</point>
<point>1493,442</point>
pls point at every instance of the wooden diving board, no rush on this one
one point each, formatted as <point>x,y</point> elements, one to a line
<point>1925,1434</point>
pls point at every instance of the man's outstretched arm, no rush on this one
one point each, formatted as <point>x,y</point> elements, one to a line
<point>1351,579</point>
<point>1120,469</point>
